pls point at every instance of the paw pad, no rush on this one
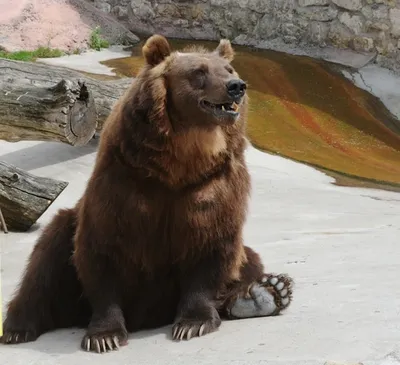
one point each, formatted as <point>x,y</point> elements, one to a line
<point>281,287</point>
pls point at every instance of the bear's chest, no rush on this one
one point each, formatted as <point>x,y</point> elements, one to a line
<point>165,226</point>
<point>192,157</point>
<point>168,213</point>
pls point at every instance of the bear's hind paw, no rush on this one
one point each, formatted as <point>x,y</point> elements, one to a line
<point>267,297</point>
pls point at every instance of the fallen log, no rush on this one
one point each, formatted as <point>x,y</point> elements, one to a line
<point>24,197</point>
<point>3,224</point>
<point>65,112</point>
<point>105,93</point>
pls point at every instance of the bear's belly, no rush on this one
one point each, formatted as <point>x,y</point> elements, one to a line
<point>205,217</point>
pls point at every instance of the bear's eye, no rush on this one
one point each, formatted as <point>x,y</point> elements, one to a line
<point>229,69</point>
<point>199,77</point>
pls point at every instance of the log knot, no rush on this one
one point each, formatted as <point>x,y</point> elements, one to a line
<point>84,95</point>
<point>71,91</point>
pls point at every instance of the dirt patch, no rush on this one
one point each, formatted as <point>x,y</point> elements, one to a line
<point>29,24</point>
<point>63,24</point>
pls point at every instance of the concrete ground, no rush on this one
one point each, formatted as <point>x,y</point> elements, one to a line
<point>89,61</point>
<point>341,245</point>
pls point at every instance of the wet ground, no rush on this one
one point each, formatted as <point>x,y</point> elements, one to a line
<point>305,109</point>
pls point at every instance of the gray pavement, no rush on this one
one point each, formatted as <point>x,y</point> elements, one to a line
<point>341,245</point>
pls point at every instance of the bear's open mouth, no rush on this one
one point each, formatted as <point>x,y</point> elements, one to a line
<point>225,109</point>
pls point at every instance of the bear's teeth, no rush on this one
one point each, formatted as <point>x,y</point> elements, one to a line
<point>235,107</point>
<point>223,108</point>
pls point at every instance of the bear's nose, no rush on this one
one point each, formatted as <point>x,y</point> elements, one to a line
<point>236,88</point>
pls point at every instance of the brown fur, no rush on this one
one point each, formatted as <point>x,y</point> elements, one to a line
<point>158,231</point>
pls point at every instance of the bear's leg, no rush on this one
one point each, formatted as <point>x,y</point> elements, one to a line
<point>196,313</point>
<point>257,294</point>
<point>102,286</point>
<point>49,293</point>
<point>106,330</point>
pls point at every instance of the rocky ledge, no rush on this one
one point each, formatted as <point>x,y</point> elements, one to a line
<point>371,27</point>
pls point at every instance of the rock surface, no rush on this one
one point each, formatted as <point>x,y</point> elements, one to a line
<point>368,26</point>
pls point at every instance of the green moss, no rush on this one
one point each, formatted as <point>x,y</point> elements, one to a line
<point>29,56</point>
<point>96,41</point>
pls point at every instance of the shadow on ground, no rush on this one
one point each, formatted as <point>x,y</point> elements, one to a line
<point>47,153</point>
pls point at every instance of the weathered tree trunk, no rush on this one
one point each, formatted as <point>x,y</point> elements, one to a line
<point>25,197</point>
<point>65,112</point>
<point>105,93</point>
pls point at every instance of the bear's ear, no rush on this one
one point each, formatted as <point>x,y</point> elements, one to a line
<point>225,50</point>
<point>156,49</point>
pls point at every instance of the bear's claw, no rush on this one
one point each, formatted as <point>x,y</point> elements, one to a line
<point>102,343</point>
<point>12,338</point>
<point>17,331</point>
<point>185,330</point>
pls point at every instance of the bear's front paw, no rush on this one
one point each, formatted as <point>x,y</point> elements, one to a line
<point>198,324</point>
<point>104,341</point>
<point>11,337</point>
<point>17,331</point>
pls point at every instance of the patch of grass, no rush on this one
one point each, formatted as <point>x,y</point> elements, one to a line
<point>45,52</point>
<point>96,41</point>
<point>75,51</point>
<point>29,56</point>
<point>18,56</point>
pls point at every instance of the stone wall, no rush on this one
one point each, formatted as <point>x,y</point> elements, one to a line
<point>360,25</point>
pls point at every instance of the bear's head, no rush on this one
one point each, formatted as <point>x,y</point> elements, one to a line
<point>192,88</point>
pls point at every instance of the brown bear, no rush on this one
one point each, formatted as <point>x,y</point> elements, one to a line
<point>156,238</point>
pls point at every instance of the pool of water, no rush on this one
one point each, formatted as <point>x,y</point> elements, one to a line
<point>304,109</point>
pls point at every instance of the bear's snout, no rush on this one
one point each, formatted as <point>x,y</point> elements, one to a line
<point>236,89</point>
